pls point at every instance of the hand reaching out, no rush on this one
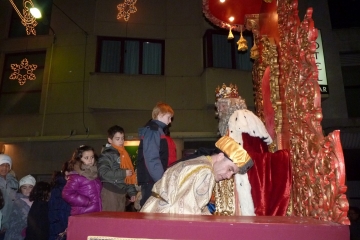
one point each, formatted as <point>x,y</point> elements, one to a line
<point>132,199</point>
<point>129,172</point>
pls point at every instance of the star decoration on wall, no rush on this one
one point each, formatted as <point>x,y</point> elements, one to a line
<point>126,8</point>
<point>17,68</point>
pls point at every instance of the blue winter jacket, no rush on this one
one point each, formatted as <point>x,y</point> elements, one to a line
<point>59,209</point>
<point>152,153</point>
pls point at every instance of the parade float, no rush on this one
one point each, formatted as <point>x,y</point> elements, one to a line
<point>288,102</point>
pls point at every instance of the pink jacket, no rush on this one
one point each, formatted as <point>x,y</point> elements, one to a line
<point>83,195</point>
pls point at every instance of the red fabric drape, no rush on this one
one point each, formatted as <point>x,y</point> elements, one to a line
<point>270,177</point>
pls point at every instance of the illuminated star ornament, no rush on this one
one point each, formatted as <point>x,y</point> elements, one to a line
<point>16,75</point>
<point>126,8</point>
<point>26,18</point>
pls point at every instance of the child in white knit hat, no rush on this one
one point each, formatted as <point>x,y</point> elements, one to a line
<point>20,211</point>
<point>8,187</point>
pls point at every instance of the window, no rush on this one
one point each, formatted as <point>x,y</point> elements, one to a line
<point>344,13</point>
<point>130,56</point>
<point>352,164</point>
<point>17,29</point>
<point>219,52</point>
<point>351,76</point>
<point>350,68</point>
<point>16,98</point>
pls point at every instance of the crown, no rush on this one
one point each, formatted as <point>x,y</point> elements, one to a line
<point>224,91</point>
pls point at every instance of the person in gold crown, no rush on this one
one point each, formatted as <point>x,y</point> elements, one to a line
<point>187,186</point>
<point>223,92</point>
<point>265,189</point>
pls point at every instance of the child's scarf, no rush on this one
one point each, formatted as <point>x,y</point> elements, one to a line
<point>125,163</point>
<point>90,172</point>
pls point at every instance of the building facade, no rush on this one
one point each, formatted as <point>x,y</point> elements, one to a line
<point>87,78</point>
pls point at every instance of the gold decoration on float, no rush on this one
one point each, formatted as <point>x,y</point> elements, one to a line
<point>252,23</point>
<point>23,66</point>
<point>230,36</point>
<point>26,18</point>
<point>268,58</point>
<point>317,161</point>
<point>242,43</point>
<point>254,51</point>
<point>225,197</point>
<point>126,8</point>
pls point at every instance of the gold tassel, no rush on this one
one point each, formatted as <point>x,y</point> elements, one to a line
<point>254,52</point>
<point>242,43</point>
<point>230,36</point>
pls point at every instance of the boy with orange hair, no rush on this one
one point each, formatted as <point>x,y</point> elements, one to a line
<point>153,149</point>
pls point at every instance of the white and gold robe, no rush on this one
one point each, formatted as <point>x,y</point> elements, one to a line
<point>186,188</point>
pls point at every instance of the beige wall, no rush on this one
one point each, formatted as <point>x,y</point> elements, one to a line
<point>41,141</point>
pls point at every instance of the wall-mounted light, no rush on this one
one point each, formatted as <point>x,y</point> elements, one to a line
<point>35,12</point>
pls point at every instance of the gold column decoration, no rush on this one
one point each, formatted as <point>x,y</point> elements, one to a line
<point>268,1</point>
<point>29,75</point>
<point>242,43</point>
<point>26,18</point>
<point>125,9</point>
<point>269,58</point>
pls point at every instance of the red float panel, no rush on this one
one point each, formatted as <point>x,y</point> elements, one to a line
<point>170,226</point>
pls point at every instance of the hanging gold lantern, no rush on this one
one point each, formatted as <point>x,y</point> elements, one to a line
<point>254,51</point>
<point>242,43</point>
<point>230,36</point>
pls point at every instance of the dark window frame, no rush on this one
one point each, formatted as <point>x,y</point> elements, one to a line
<point>141,41</point>
<point>208,61</point>
<point>350,63</point>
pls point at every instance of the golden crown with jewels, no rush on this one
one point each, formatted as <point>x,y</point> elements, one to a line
<point>224,91</point>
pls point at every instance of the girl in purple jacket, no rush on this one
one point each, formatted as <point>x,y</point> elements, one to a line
<point>83,187</point>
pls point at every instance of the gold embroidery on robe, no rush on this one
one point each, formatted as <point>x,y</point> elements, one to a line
<point>186,186</point>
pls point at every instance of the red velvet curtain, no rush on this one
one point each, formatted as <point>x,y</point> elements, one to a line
<point>270,177</point>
